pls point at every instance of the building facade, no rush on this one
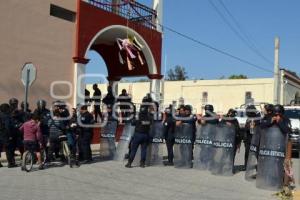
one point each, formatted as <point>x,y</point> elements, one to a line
<point>223,94</point>
<point>55,35</point>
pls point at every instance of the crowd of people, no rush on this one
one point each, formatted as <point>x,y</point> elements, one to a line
<point>41,129</point>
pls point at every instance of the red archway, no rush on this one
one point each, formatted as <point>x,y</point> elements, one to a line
<point>91,20</point>
<point>97,29</point>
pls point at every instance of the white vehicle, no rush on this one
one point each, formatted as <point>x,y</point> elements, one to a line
<point>241,113</point>
<point>293,113</point>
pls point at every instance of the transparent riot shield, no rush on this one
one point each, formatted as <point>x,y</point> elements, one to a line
<point>223,150</point>
<point>251,168</point>
<point>203,146</point>
<point>270,169</point>
<point>155,150</point>
<point>107,144</point>
<point>183,146</point>
<point>123,145</point>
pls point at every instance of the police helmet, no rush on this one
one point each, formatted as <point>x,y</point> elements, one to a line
<point>278,109</point>
<point>269,108</point>
<point>209,107</point>
<point>13,102</point>
<point>4,108</point>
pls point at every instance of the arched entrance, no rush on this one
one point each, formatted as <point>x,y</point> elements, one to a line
<point>98,30</point>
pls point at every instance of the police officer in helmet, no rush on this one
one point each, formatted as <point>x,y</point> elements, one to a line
<point>280,120</point>
<point>16,138</point>
<point>169,130</point>
<point>209,117</point>
<point>253,121</point>
<point>266,121</point>
<point>141,135</point>
<point>85,135</point>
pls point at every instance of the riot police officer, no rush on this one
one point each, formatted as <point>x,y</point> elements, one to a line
<point>16,138</point>
<point>230,119</point>
<point>141,135</point>
<point>272,152</point>
<point>283,122</point>
<point>86,119</point>
<point>266,121</point>
<point>169,130</point>
<point>253,121</point>
<point>210,117</point>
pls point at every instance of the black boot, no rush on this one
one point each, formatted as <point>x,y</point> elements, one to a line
<point>1,165</point>
<point>128,165</point>
<point>142,164</point>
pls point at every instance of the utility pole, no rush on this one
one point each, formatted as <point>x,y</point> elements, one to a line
<point>276,72</point>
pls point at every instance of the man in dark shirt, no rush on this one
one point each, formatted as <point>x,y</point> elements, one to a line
<point>97,101</point>
<point>124,99</point>
<point>109,99</point>
<point>87,96</point>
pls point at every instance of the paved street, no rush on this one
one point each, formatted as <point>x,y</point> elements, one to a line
<point>111,180</point>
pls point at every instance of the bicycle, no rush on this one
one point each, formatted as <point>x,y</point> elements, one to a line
<point>65,149</point>
<point>29,159</point>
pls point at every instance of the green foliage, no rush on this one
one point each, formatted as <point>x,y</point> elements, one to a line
<point>241,76</point>
<point>177,74</point>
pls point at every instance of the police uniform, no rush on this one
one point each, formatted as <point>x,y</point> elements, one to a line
<point>85,136</point>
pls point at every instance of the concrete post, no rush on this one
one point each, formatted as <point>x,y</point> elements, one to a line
<point>79,84</point>
<point>158,6</point>
<point>115,9</point>
<point>276,72</point>
<point>155,89</point>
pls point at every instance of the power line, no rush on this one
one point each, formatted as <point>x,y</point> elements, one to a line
<point>237,33</point>
<point>208,46</point>
<point>216,49</point>
<point>242,30</point>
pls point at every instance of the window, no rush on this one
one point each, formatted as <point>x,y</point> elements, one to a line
<point>248,97</point>
<point>62,13</point>
<point>204,97</point>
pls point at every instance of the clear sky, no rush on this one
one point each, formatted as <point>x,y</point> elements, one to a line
<point>260,21</point>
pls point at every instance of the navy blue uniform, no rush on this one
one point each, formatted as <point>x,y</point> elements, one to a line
<point>85,136</point>
<point>141,136</point>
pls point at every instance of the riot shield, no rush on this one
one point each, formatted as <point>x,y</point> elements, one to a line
<point>122,147</point>
<point>251,168</point>
<point>155,150</point>
<point>203,146</point>
<point>223,150</point>
<point>183,146</point>
<point>270,169</point>
<point>107,144</point>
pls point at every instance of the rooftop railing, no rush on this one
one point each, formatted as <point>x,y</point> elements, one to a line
<point>130,10</point>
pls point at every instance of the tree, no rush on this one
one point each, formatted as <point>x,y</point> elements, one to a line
<point>177,74</point>
<point>241,76</point>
